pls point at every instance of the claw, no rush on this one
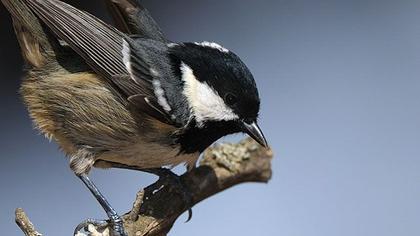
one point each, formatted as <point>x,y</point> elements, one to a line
<point>186,195</point>
<point>97,224</point>
<point>99,228</point>
<point>189,215</point>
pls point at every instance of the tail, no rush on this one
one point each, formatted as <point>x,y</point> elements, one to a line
<point>36,44</point>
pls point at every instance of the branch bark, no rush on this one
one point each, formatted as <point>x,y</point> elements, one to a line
<point>24,224</point>
<point>157,207</point>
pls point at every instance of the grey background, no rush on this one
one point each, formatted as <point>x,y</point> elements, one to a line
<point>340,86</point>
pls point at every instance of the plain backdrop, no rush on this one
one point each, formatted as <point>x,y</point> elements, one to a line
<point>340,88</point>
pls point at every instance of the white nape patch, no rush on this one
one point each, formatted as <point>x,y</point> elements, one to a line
<point>213,45</point>
<point>126,58</point>
<point>160,94</point>
<point>171,45</point>
<point>205,103</point>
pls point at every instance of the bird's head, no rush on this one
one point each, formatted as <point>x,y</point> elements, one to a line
<point>219,89</point>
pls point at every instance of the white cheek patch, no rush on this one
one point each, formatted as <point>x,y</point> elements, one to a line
<point>213,45</point>
<point>203,100</point>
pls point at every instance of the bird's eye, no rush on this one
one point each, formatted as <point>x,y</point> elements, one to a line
<point>230,99</point>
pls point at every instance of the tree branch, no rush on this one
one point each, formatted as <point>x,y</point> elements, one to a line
<point>158,206</point>
<point>24,224</point>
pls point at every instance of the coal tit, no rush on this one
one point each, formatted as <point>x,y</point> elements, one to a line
<point>128,97</point>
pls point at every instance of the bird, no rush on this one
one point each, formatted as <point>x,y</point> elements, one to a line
<point>125,96</point>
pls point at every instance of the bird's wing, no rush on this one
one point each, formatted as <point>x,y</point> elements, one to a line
<point>105,49</point>
<point>132,18</point>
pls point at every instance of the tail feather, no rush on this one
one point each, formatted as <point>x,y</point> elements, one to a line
<point>35,42</point>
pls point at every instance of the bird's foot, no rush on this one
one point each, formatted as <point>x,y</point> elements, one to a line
<point>177,183</point>
<point>92,227</point>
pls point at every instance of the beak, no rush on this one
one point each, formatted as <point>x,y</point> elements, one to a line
<point>255,132</point>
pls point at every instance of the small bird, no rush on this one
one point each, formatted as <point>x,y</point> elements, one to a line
<point>127,97</point>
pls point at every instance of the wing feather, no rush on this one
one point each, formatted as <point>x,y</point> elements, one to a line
<point>106,50</point>
<point>98,43</point>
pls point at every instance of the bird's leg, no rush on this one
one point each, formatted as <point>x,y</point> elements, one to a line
<point>164,173</point>
<point>115,220</point>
